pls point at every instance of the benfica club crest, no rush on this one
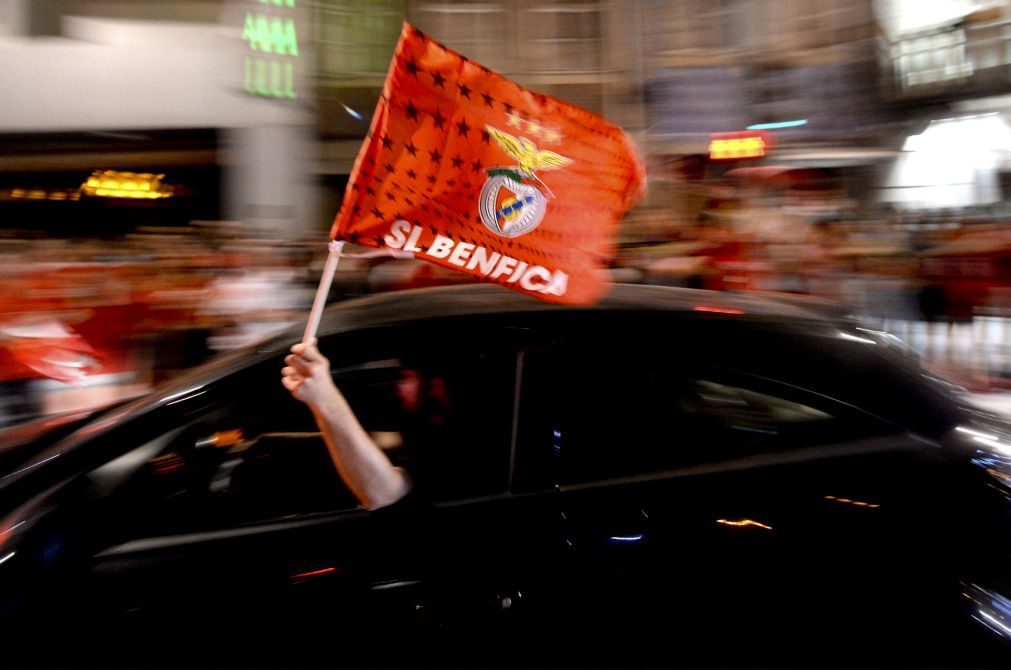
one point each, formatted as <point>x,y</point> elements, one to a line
<point>513,199</point>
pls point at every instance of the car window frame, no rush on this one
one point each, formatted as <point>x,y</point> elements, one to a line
<point>526,481</point>
<point>218,394</point>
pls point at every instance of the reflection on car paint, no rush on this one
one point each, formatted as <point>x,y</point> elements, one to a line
<point>992,609</point>
<point>626,538</point>
<point>991,441</point>
<point>857,503</point>
<point>743,522</point>
<point>312,573</point>
<point>223,438</point>
<point>854,338</point>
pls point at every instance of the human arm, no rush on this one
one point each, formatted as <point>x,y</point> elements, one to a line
<point>364,467</point>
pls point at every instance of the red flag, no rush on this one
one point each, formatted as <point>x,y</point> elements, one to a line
<point>49,349</point>
<point>468,170</point>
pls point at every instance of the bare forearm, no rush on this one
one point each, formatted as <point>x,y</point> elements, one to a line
<point>368,472</point>
<point>360,462</point>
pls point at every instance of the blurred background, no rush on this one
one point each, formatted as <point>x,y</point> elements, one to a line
<point>169,169</point>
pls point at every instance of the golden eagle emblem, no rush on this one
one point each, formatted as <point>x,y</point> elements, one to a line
<point>509,204</point>
<point>529,157</point>
<point>526,152</point>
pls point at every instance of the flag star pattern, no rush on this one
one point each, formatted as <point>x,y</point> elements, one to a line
<point>451,129</point>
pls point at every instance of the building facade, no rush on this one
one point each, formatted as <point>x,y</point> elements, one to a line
<point>272,98</point>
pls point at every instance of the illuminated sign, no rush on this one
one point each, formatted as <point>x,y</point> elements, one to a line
<point>271,36</point>
<point>735,146</point>
<point>135,185</point>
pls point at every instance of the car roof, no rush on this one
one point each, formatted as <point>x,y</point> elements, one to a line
<point>478,300</point>
<point>399,307</point>
<point>487,299</point>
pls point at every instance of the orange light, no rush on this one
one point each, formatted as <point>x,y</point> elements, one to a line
<point>743,522</point>
<point>136,185</point>
<point>60,195</point>
<point>858,503</point>
<point>227,438</point>
<point>168,463</point>
<point>735,146</point>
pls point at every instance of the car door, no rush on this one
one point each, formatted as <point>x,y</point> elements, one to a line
<point>235,516</point>
<point>689,492</point>
<point>231,520</point>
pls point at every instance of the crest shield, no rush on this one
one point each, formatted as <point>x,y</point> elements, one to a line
<point>511,208</point>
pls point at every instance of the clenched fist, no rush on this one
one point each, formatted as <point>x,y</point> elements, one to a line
<point>307,375</point>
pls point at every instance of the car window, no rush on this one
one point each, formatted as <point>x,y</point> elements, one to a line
<point>847,364</point>
<point>252,453</point>
<point>586,417</point>
<point>443,411</point>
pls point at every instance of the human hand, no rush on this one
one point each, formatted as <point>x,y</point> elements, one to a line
<point>307,374</point>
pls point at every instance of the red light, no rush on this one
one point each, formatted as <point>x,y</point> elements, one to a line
<point>314,573</point>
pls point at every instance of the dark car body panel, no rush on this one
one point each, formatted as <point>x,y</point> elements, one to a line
<point>666,465</point>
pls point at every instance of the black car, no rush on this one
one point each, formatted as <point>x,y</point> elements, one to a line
<point>671,477</point>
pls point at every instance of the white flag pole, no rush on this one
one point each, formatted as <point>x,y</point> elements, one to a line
<point>323,290</point>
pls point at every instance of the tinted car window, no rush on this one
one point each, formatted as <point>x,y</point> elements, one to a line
<point>442,410</point>
<point>841,362</point>
<point>589,417</point>
<point>253,453</point>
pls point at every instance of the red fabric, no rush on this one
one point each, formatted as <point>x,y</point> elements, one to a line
<point>442,123</point>
<point>67,359</point>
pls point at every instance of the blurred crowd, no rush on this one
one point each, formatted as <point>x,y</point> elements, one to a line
<point>886,265</point>
<point>91,321</point>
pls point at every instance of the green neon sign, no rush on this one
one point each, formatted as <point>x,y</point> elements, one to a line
<point>271,34</point>
<point>272,39</point>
